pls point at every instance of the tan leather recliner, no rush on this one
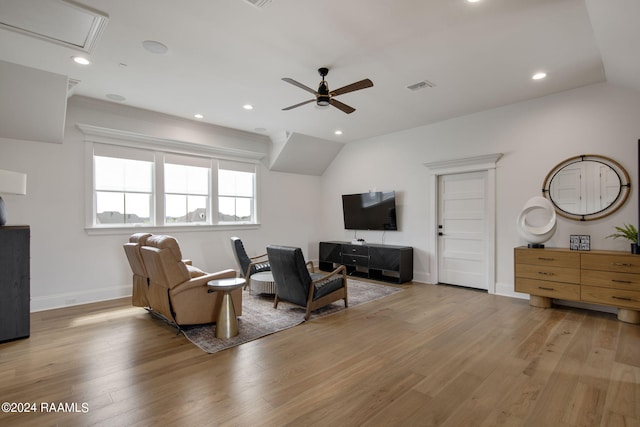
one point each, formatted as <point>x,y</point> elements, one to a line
<point>140,277</point>
<point>179,291</point>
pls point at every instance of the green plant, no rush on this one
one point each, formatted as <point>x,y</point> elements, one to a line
<point>628,231</point>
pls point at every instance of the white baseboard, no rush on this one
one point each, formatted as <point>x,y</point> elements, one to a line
<point>506,290</point>
<point>68,299</point>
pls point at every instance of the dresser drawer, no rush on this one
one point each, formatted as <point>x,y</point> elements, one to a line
<point>548,289</point>
<point>605,262</point>
<point>608,279</point>
<point>554,258</point>
<point>607,296</point>
<point>551,273</point>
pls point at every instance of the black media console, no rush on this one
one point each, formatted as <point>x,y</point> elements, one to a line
<point>379,262</point>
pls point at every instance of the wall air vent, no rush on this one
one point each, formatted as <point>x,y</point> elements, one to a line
<point>258,3</point>
<point>420,85</point>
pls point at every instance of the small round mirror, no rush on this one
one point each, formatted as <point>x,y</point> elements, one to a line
<point>587,187</point>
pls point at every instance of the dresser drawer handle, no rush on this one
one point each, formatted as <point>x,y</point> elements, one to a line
<point>622,298</point>
<point>545,273</point>
<point>545,289</point>
<point>626,282</point>
<point>621,264</point>
<point>545,259</point>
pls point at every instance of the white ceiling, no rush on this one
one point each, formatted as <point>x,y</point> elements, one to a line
<point>223,54</point>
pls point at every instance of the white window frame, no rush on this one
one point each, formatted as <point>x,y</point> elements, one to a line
<point>239,167</point>
<point>114,141</point>
<point>203,162</point>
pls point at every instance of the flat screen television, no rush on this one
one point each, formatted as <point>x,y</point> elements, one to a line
<point>375,210</point>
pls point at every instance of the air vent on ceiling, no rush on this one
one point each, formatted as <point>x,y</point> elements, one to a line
<point>420,85</point>
<point>63,22</point>
<point>259,3</point>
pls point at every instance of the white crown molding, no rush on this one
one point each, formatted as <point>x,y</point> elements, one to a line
<point>125,138</point>
<point>467,164</point>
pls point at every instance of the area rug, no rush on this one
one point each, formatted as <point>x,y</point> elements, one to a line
<point>260,319</point>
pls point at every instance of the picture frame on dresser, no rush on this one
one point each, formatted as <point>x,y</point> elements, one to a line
<point>580,242</point>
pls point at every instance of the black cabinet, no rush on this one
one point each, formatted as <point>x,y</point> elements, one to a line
<point>380,262</point>
<point>15,292</point>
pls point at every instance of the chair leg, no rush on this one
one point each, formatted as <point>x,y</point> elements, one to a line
<point>275,302</point>
<point>307,314</point>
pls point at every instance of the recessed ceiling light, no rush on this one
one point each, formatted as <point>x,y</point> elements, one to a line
<point>338,132</point>
<point>116,97</point>
<point>198,116</point>
<point>154,47</point>
<point>539,76</point>
<point>80,60</point>
<point>247,107</point>
<point>473,1</point>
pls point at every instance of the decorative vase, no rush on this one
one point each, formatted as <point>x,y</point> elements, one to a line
<point>635,249</point>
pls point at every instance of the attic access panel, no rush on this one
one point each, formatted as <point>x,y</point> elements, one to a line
<point>57,21</point>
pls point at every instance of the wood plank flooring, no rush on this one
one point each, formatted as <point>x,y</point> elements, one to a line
<point>428,356</point>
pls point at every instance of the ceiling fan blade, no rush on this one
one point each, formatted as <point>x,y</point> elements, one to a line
<point>342,106</point>
<point>362,84</point>
<point>298,105</point>
<point>300,85</point>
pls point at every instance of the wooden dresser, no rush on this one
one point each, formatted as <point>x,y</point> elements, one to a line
<point>598,277</point>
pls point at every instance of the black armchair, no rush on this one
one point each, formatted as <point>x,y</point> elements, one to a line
<point>295,284</point>
<point>248,265</point>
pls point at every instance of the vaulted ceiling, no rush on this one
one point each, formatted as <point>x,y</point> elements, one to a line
<point>222,55</point>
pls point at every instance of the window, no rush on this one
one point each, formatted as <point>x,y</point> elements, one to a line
<point>236,192</point>
<point>137,187</point>
<point>123,187</point>
<point>186,190</point>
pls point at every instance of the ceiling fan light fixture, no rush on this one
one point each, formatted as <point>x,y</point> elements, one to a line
<point>323,101</point>
<point>323,97</point>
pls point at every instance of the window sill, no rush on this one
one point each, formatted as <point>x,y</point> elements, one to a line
<point>105,231</point>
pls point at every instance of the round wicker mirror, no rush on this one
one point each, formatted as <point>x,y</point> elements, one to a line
<point>587,187</point>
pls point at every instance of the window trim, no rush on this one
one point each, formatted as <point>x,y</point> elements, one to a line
<point>104,136</point>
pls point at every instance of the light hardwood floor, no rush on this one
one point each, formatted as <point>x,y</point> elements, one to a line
<point>431,355</point>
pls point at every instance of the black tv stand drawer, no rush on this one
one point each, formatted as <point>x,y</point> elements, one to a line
<point>380,262</point>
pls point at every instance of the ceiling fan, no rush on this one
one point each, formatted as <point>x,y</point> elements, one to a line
<point>324,97</point>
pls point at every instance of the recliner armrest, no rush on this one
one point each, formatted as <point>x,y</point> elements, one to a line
<point>198,282</point>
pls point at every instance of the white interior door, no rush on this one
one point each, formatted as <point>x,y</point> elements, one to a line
<point>463,230</point>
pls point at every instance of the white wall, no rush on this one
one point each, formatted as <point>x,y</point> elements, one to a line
<point>68,266</point>
<point>534,136</point>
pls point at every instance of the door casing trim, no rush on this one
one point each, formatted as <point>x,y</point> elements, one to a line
<point>464,165</point>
